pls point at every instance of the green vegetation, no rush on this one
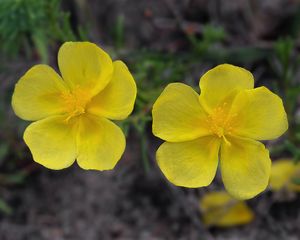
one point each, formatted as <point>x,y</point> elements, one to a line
<point>28,27</point>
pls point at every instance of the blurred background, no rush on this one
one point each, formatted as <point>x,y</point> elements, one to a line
<point>162,41</point>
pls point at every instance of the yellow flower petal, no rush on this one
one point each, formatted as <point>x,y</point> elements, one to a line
<point>51,142</point>
<point>259,114</point>
<point>178,115</point>
<point>100,143</point>
<point>116,100</point>
<point>220,83</point>
<point>282,174</point>
<point>245,167</point>
<point>189,164</point>
<point>220,209</point>
<point>85,65</point>
<point>37,94</point>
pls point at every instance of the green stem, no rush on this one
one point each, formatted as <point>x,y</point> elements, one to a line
<point>144,146</point>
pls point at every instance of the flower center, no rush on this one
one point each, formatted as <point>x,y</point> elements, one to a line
<point>220,122</point>
<point>75,102</point>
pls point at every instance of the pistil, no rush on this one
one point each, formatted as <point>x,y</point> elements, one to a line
<point>220,122</point>
<point>75,102</point>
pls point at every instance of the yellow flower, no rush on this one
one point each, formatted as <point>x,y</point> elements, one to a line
<point>220,209</point>
<point>224,122</point>
<point>71,112</point>
<point>284,172</point>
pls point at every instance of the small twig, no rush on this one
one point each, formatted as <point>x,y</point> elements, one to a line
<point>179,19</point>
<point>264,213</point>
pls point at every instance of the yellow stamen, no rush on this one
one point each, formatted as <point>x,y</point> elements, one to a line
<point>75,102</point>
<point>220,122</point>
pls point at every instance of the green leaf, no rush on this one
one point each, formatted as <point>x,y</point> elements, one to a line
<point>5,208</point>
<point>296,181</point>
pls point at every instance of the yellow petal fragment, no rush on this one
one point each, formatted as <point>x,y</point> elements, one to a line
<point>221,83</point>
<point>116,100</point>
<point>259,114</point>
<point>100,143</point>
<point>282,175</point>
<point>189,164</point>
<point>221,210</point>
<point>52,142</point>
<point>178,115</point>
<point>85,65</point>
<point>245,167</point>
<point>37,94</point>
